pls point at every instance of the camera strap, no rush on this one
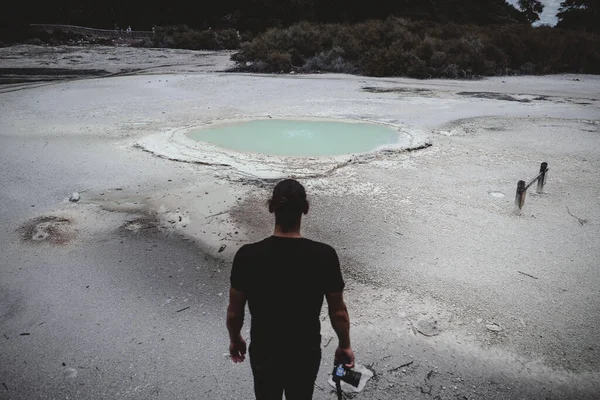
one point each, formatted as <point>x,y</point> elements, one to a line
<point>338,388</point>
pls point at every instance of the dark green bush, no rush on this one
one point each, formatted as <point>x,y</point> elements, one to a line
<point>398,47</point>
<point>330,61</point>
<point>279,62</point>
<point>20,33</point>
<point>182,37</point>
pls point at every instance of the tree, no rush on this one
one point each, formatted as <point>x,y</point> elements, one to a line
<point>532,9</point>
<point>253,15</point>
<point>579,14</point>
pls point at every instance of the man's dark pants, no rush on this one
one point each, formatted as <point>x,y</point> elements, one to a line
<point>276,371</point>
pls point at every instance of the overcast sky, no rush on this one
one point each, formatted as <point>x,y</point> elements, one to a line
<point>550,10</point>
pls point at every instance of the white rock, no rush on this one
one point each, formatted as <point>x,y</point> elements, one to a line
<point>70,373</point>
<point>493,327</point>
<point>74,197</point>
<point>427,327</point>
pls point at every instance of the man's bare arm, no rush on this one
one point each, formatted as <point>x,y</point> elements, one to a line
<point>235,313</point>
<point>340,321</point>
<point>235,321</point>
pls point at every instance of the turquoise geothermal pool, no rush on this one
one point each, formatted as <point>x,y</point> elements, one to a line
<point>281,137</point>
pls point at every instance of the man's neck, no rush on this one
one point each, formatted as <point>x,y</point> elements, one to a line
<point>294,233</point>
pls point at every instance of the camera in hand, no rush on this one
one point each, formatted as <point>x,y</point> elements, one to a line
<point>343,374</point>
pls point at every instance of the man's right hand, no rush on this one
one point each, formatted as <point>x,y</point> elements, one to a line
<point>340,321</point>
<point>237,350</point>
<point>344,356</point>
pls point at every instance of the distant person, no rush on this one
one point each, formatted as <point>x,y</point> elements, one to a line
<point>284,279</point>
<point>129,30</point>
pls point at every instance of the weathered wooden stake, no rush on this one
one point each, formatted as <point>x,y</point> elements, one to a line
<point>542,178</point>
<point>520,198</point>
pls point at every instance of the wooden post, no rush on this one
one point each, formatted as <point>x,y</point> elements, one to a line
<point>542,179</point>
<point>520,198</point>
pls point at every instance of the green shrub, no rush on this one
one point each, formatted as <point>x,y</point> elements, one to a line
<point>36,41</point>
<point>182,37</point>
<point>398,47</point>
<point>330,61</point>
<point>22,33</point>
<point>279,62</point>
<point>228,39</point>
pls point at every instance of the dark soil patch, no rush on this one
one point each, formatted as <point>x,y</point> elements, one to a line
<point>20,75</point>
<point>142,226</point>
<point>46,229</point>
<point>403,90</point>
<point>493,96</point>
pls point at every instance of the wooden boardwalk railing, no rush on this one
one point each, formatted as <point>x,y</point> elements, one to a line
<point>522,187</point>
<point>112,33</point>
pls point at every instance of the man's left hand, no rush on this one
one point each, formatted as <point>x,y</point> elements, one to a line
<point>237,350</point>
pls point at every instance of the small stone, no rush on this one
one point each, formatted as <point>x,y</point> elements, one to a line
<point>479,320</point>
<point>222,248</point>
<point>74,197</point>
<point>493,327</point>
<point>70,373</point>
<point>427,327</point>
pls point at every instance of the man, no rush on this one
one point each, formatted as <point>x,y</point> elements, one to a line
<point>284,279</point>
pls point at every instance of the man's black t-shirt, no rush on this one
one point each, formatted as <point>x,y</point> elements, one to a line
<point>284,280</point>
